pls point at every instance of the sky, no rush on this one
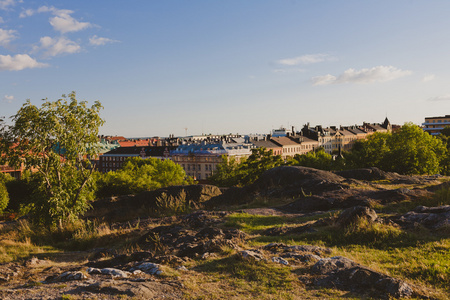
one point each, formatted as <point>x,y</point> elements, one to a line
<point>217,67</point>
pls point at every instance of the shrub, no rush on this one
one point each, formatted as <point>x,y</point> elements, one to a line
<point>4,197</point>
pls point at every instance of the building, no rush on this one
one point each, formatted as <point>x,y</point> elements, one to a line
<point>199,160</point>
<point>114,159</point>
<point>434,125</point>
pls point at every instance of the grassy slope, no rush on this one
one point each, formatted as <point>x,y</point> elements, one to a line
<point>419,257</point>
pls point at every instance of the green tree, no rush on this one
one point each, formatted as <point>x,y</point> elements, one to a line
<point>407,151</point>
<point>226,173</point>
<point>56,141</point>
<point>257,163</point>
<point>317,159</point>
<point>233,173</point>
<point>139,175</point>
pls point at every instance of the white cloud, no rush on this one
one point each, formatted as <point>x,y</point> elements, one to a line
<point>62,20</point>
<point>288,70</point>
<point>375,74</point>
<point>8,98</point>
<point>306,59</point>
<point>4,4</point>
<point>58,46</point>
<point>19,62</point>
<point>440,98</point>
<point>100,41</point>
<point>26,13</point>
<point>6,36</point>
<point>428,78</point>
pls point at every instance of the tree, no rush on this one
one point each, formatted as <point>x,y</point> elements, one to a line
<point>139,175</point>
<point>56,141</point>
<point>407,151</point>
<point>233,173</point>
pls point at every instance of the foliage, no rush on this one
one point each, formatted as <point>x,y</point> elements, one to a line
<point>318,159</point>
<point>233,173</point>
<point>55,140</point>
<point>4,197</point>
<point>139,175</point>
<point>408,151</point>
<point>168,205</point>
<point>226,173</point>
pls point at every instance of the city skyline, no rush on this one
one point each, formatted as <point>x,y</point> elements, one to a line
<point>159,67</point>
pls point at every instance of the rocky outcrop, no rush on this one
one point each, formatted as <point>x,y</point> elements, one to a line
<point>284,181</point>
<point>434,218</point>
<point>343,273</point>
<point>133,206</point>
<point>351,215</point>
<point>368,174</point>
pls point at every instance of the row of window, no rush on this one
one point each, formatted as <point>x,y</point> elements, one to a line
<point>198,167</point>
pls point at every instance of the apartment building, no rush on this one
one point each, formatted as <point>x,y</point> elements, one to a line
<point>434,125</point>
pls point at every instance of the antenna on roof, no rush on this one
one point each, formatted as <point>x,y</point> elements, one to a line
<point>185,130</point>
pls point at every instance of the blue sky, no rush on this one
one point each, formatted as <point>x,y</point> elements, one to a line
<point>232,66</point>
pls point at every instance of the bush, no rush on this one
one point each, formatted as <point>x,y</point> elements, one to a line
<point>138,175</point>
<point>4,197</point>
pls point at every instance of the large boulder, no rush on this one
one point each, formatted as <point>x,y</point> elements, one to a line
<point>434,218</point>
<point>368,174</point>
<point>297,180</point>
<point>352,214</point>
<point>343,273</point>
<point>279,182</point>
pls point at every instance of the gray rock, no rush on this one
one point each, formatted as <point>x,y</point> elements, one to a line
<point>67,276</point>
<point>280,260</point>
<point>251,255</point>
<point>150,268</point>
<point>343,273</point>
<point>115,272</point>
<point>351,215</point>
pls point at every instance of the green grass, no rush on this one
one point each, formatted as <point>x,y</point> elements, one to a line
<point>270,277</point>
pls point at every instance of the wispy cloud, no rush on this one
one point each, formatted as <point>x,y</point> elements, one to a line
<point>1,20</point>
<point>8,98</point>
<point>57,46</point>
<point>296,70</point>
<point>62,20</point>
<point>428,78</point>
<point>306,59</point>
<point>440,98</point>
<point>375,74</point>
<point>100,41</point>
<point>5,4</point>
<point>19,62</point>
<point>6,36</point>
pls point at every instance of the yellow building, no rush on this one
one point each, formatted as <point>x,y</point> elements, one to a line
<point>434,125</point>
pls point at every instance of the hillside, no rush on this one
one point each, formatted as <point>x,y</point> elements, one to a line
<point>296,233</point>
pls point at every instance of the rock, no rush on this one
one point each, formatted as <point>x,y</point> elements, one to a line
<point>137,290</point>
<point>284,181</point>
<point>277,231</point>
<point>434,218</point>
<point>67,276</point>
<point>368,174</point>
<point>203,218</point>
<point>115,272</point>
<point>343,273</point>
<point>129,206</point>
<point>280,260</point>
<point>251,255</point>
<point>351,215</point>
<point>306,258</point>
<point>150,268</point>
